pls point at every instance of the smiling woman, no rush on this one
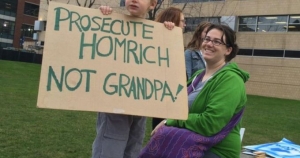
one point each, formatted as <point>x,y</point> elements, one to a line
<point>218,46</point>
<point>213,122</point>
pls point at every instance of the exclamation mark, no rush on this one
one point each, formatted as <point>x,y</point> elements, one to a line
<point>179,88</point>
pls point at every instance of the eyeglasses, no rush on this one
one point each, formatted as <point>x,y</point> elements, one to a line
<point>214,42</point>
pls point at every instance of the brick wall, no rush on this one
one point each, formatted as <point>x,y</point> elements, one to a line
<point>272,77</point>
<point>21,18</point>
<point>276,40</point>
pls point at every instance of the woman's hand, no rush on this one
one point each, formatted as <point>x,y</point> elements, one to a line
<point>169,25</point>
<point>106,10</point>
<point>162,123</point>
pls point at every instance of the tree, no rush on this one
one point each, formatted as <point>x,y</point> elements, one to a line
<point>152,13</point>
<point>87,3</point>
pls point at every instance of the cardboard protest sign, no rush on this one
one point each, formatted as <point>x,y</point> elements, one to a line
<point>112,63</point>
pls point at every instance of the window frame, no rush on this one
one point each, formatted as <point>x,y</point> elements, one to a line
<point>26,34</point>
<point>296,25</point>
<point>28,7</point>
<point>272,22</point>
<point>287,25</point>
<point>7,29</point>
<point>8,7</point>
<point>254,24</point>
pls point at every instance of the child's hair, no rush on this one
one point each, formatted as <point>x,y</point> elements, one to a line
<point>171,14</point>
<point>196,40</point>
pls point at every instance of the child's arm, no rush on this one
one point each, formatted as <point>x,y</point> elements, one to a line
<point>169,25</point>
<point>106,10</point>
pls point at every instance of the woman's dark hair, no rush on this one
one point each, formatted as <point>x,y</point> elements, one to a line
<point>230,37</point>
<point>197,40</point>
<point>171,14</point>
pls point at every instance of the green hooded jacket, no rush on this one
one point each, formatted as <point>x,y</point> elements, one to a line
<point>222,96</point>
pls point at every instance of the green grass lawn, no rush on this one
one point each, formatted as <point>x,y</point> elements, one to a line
<point>27,132</point>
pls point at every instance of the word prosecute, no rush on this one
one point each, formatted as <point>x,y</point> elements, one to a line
<point>136,87</point>
<point>86,23</point>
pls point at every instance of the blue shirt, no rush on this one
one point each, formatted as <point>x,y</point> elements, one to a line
<point>193,61</point>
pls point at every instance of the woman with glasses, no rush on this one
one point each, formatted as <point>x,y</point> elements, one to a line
<point>193,57</point>
<point>216,101</point>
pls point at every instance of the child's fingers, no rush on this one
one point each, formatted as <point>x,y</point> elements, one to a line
<point>109,10</point>
<point>169,25</point>
<point>152,133</point>
<point>106,10</point>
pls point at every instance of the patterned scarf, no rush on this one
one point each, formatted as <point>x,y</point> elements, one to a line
<point>173,142</point>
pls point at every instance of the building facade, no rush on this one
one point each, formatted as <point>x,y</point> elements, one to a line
<point>17,21</point>
<point>268,34</point>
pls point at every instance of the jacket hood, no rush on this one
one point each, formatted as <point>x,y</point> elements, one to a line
<point>229,67</point>
<point>234,68</point>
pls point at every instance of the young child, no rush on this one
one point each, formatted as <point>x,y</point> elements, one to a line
<point>121,136</point>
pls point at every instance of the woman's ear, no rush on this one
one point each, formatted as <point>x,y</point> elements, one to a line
<point>229,50</point>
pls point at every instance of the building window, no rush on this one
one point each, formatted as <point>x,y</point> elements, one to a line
<point>292,54</point>
<point>31,9</point>
<point>7,29</point>
<point>294,23</point>
<point>27,31</point>
<point>8,7</point>
<point>247,24</point>
<point>272,24</point>
<point>193,22</point>
<point>184,1</point>
<point>282,23</point>
<point>5,45</point>
<point>247,52</point>
<point>268,53</point>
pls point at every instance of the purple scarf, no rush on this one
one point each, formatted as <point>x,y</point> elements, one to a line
<point>196,81</point>
<point>173,142</point>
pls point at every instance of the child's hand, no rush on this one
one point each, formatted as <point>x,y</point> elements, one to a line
<point>106,10</point>
<point>169,25</point>
<point>162,123</point>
